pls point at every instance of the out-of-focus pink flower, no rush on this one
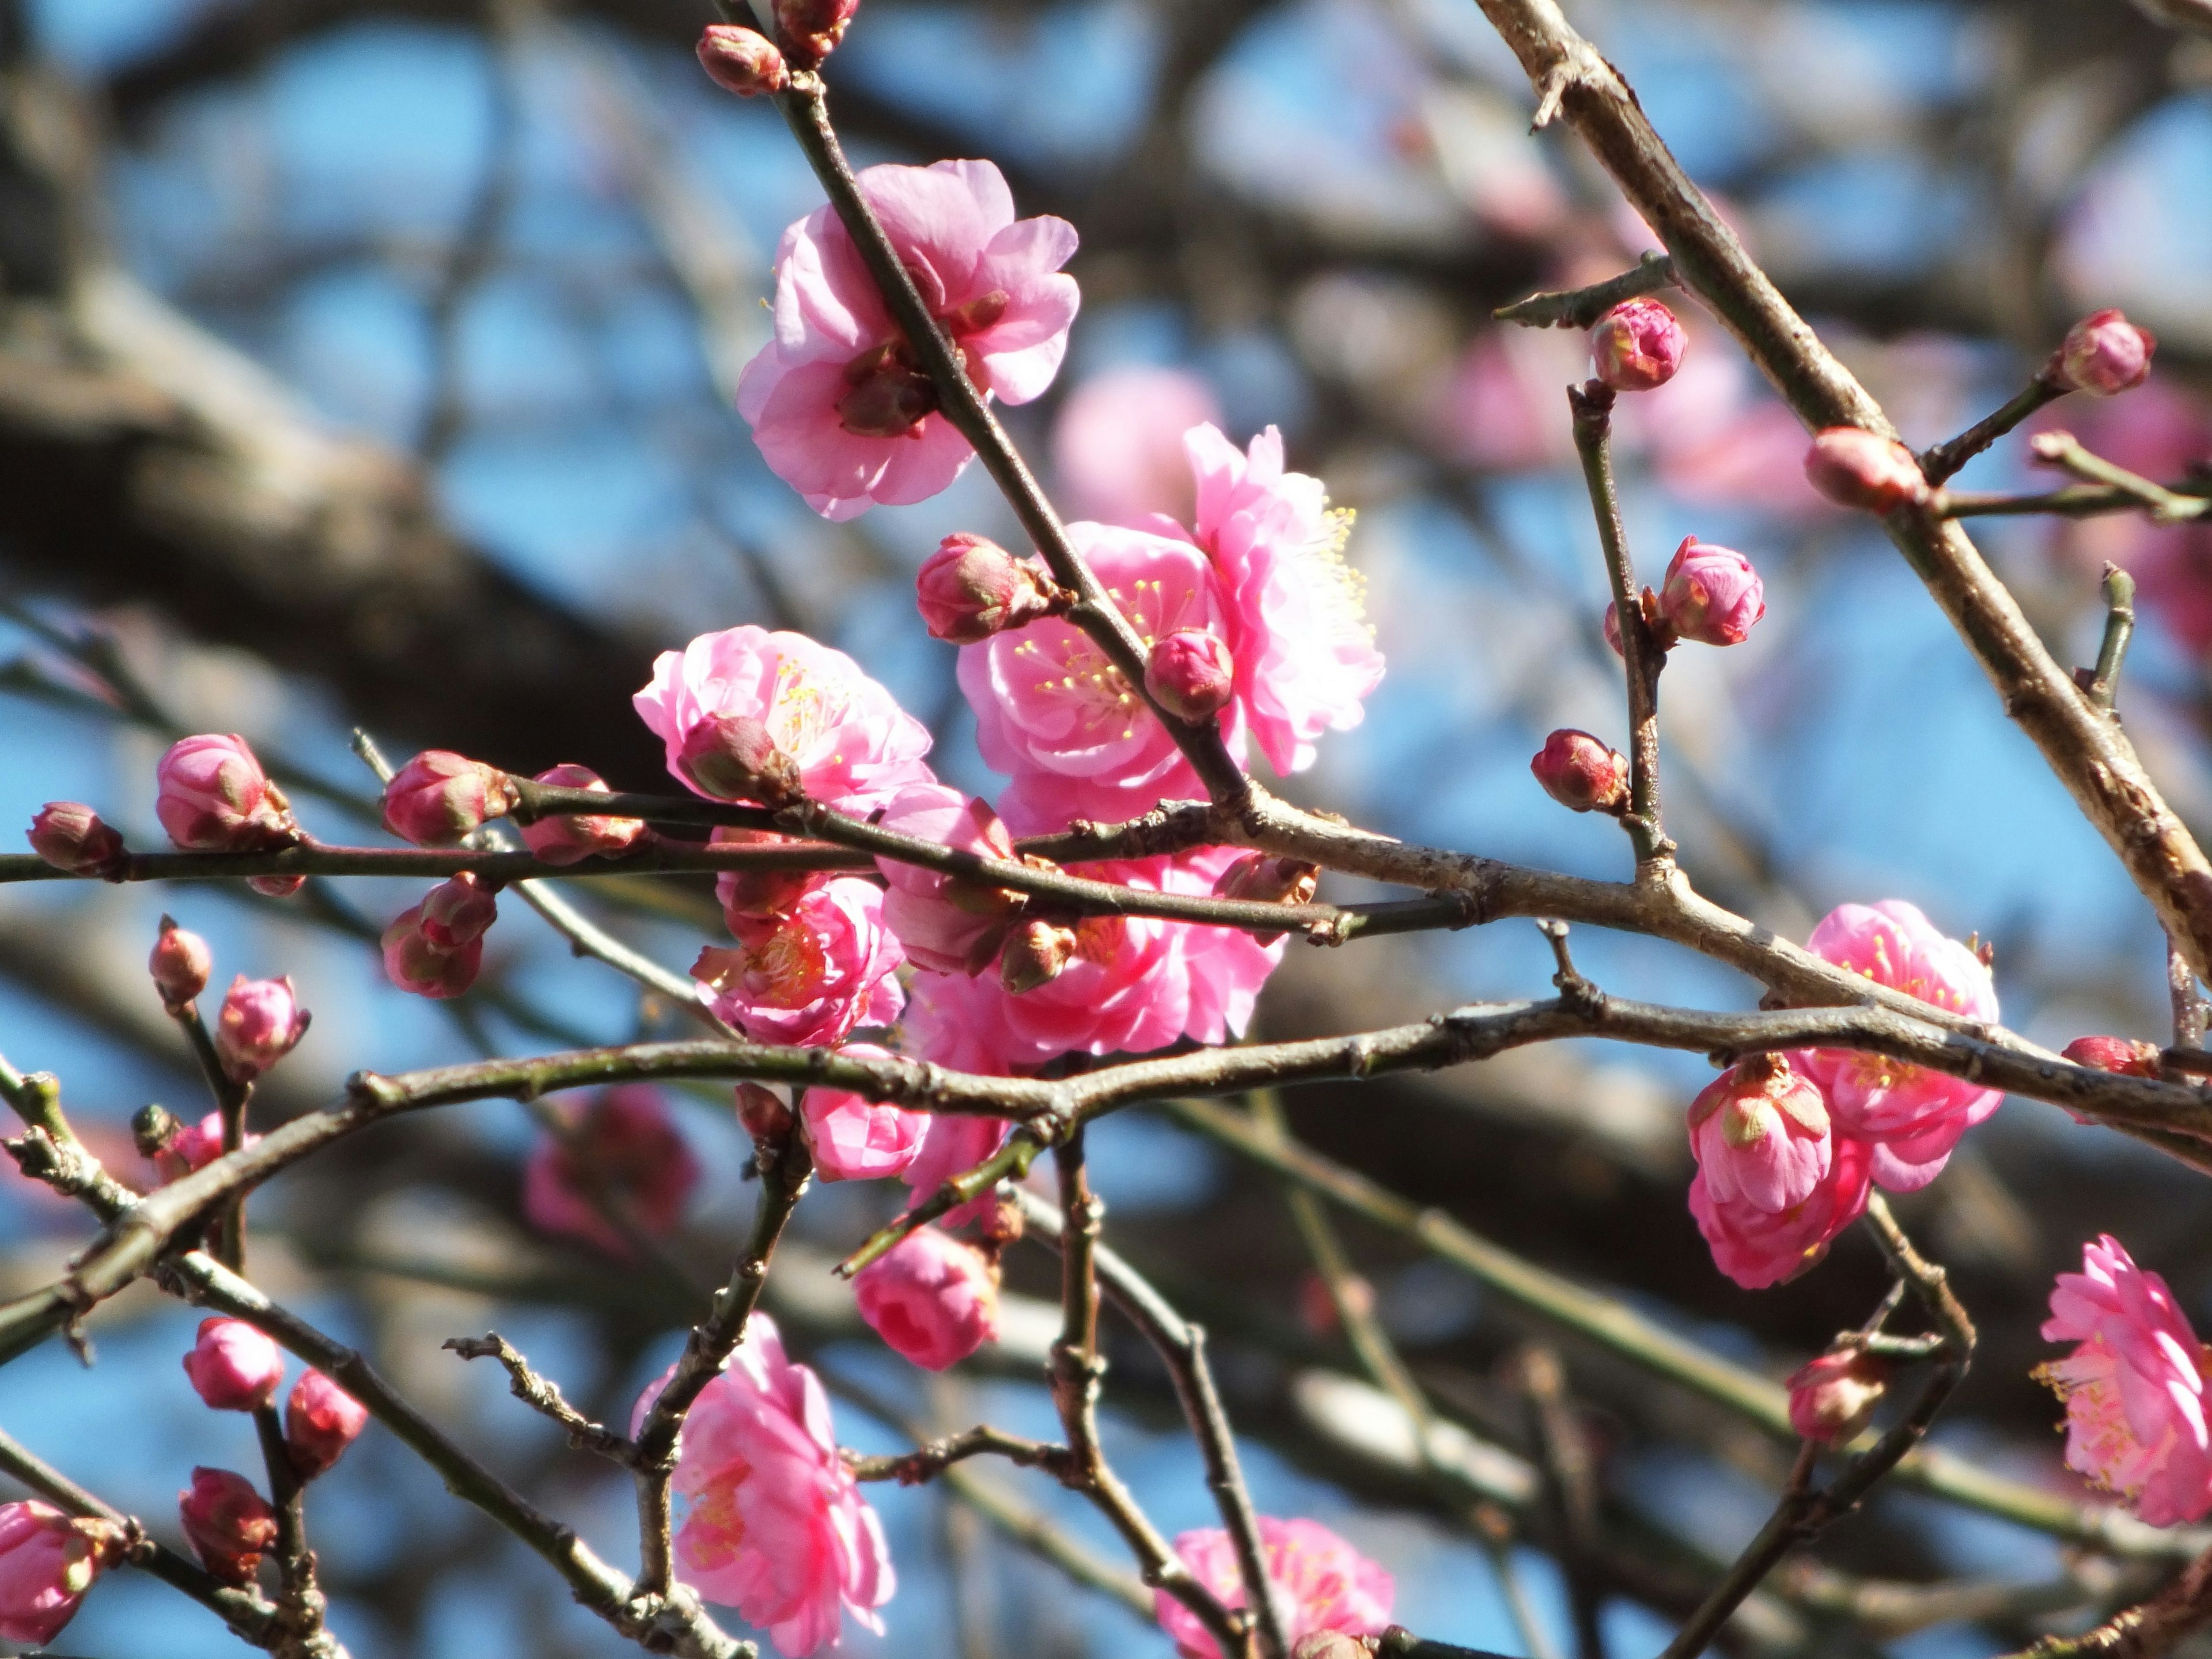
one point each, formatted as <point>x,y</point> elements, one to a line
<point>810,29</point>
<point>194,1147</point>
<point>1759,1132</point>
<point>1914,1114</point>
<point>971,588</point>
<point>570,838</point>
<point>742,60</point>
<point>321,1419</point>
<point>1504,409</point>
<point>1323,1583</point>
<point>775,1526</point>
<point>2104,355</point>
<point>1855,468</point>
<point>228,1525</point>
<point>2134,1385</point>
<point>232,1366</point>
<point>215,797</point>
<point>2129,1056</point>
<point>839,405</point>
<point>626,1147</point>
<point>1584,774</point>
<point>1189,674</point>
<point>47,1562</point>
<point>260,1023</point>
<point>1758,1247</point>
<point>857,1139</point>
<point>948,924</point>
<point>1636,345</point>
<point>811,977</point>
<point>954,1144</point>
<point>854,746</point>
<point>438,798</point>
<point>1117,444</point>
<point>932,1298</point>
<point>1833,1398</point>
<point>1712,594</point>
<point>180,962</point>
<point>1297,626</point>
<point>72,836</point>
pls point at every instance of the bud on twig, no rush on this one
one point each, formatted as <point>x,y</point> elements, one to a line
<point>1855,468</point>
<point>570,837</point>
<point>321,1420</point>
<point>971,588</point>
<point>1190,675</point>
<point>229,1524</point>
<point>732,757</point>
<point>810,29</point>
<point>72,836</point>
<point>742,60</point>
<point>2103,355</point>
<point>440,799</point>
<point>1638,345</point>
<point>261,1021</point>
<point>1582,773</point>
<point>180,964</point>
<point>232,1366</point>
<point>764,1114</point>
<point>2128,1056</point>
<point>1035,955</point>
<point>1712,594</point>
<point>1832,1399</point>
<point>213,796</point>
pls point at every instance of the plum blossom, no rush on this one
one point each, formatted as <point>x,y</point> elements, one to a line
<point>570,837</point>
<point>775,1525</point>
<point>954,1143</point>
<point>321,1420</point>
<point>229,1525</point>
<point>1758,1247</point>
<point>947,924</point>
<point>1117,443</point>
<point>232,1366</point>
<point>933,1299</point>
<point>260,1023</point>
<point>213,797</point>
<point>2134,1385</point>
<point>1831,1398</point>
<point>194,1147</point>
<point>854,746</point>
<point>840,405</point>
<point>1323,1584</point>
<point>624,1145</point>
<point>1914,1115</point>
<point>1760,1134</point>
<point>47,1562</point>
<point>810,977</point>
<point>859,1140</point>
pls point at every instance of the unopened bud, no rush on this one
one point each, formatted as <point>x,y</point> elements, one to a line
<point>569,837</point>
<point>415,965</point>
<point>2126,1055</point>
<point>810,29</point>
<point>229,1524</point>
<point>72,836</point>
<point>971,588</point>
<point>261,1021</point>
<point>1834,1398</point>
<point>213,796</point>
<point>180,964</point>
<point>887,395</point>
<point>1263,879</point>
<point>2103,355</point>
<point>1582,773</point>
<point>1855,468</point>
<point>276,886</point>
<point>732,757</point>
<point>1636,345</point>
<point>1034,954</point>
<point>1189,674</point>
<point>438,799</point>
<point>321,1420</point>
<point>232,1366</point>
<point>742,60</point>
<point>457,912</point>
<point>764,1114</point>
<point>1712,594</point>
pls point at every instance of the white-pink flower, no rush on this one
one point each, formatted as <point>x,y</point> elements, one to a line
<point>775,1525</point>
<point>838,401</point>
<point>854,746</point>
<point>810,977</point>
<point>1323,1583</point>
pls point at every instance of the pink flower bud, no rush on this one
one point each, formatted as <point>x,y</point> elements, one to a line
<point>625,1146</point>
<point>887,394</point>
<point>971,588</point>
<point>742,60</point>
<point>180,964</point>
<point>568,839</point>
<point>1636,345</point>
<point>1759,1132</point>
<point>1712,594</point>
<point>1190,673</point>
<point>932,1298</point>
<point>1035,955</point>
<point>2126,1055</point>
<point>276,886</point>
<point>321,1420</point>
<point>1854,468</point>
<point>1331,1644</point>
<point>193,1146</point>
<point>72,836</point>
<point>228,1525</point>
<point>438,798</point>
<point>260,1022</point>
<point>734,757</point>
<point>457,912</point>
<point>763,894</point>
<point>413,963</point>
<point>1265,879</point>
<point>47,1562</point>
<point>810,29</point>
<point>215,797</point>
<point>765,1114</point>
<point>2103,355</point>
<point>232,1366</point>
<point>1581,773</point>
<point>1832,1399</point>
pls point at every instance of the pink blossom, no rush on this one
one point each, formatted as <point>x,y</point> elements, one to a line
<point>932,1298</point>
<point>321,1420</point>
<point>1117,444</point>
<point>227,1522</point>
<point>625,1150</point>
<point>1760,1134</point>
<point>1584,774</point>
<point>260,1023</point>
<point>48,1560</point>
<point>2134,1387</point>
<point>1857,468</point>
<point>234,1367</point>
<point>760,893</point>
<point>775,1526</point>
<point>215,797</point>
<point>179,963</point>
<point>810,29</point>
<point>2129,1056</point>
<point>948,924</point>
<point>854,746</point>
<point>858,1139</point>
<point>2104,355</point>
<point>1712,594</point>
<point>1636,345</point>
<point>839,405</point>
<point>954,1144</point>
<point>570,837</point>
<point>1305,656</point>
<point>439,797</point>
<point>811,977</point>
<point>413,964</point>
<point>1831,1398</point>
<point>1914,1114</point>
<point>1322,1583</point>
<point>1758,1247</point>
<point>72,836</point>
<point>194,1147</point>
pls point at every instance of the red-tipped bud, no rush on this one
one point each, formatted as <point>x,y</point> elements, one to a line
<point>765,1114</point>
<point>457,912</point>
<point>260,1022</point>
<point>1581,773</point>
<point>229,1524</point>
<point>810,29</point>
<point>180,964</point>
<point>321,1420</point>
<point>887,396</point>
<point>1854,468</point>
<point>47,1562</point>
<point>232,1366</point>
<point>570,837</point>
<point>1712,594</point>
<point>438,798</point>
<point>213,796</point>
<point>2103,355</point>
<point>2126,1055</point>
<point>742,60</point>
<point>1834,1398</point>
<point>1034,954</point>
<point>1636,345</point>
<point>732,757</point>
<point>413,963</point>
<point>72,836</point>
<point>1190,674</point>
<point>971,588</point>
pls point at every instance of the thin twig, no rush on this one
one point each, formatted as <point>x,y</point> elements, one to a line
<point>1941,461</point>
<point>929,1460</point>
<point>1580,307</point>
<point>543,1394</point>
<point>2062,449</point>
<point>2119,589</point>
<point>1570,1487</point>
<point>2158,1625</point>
